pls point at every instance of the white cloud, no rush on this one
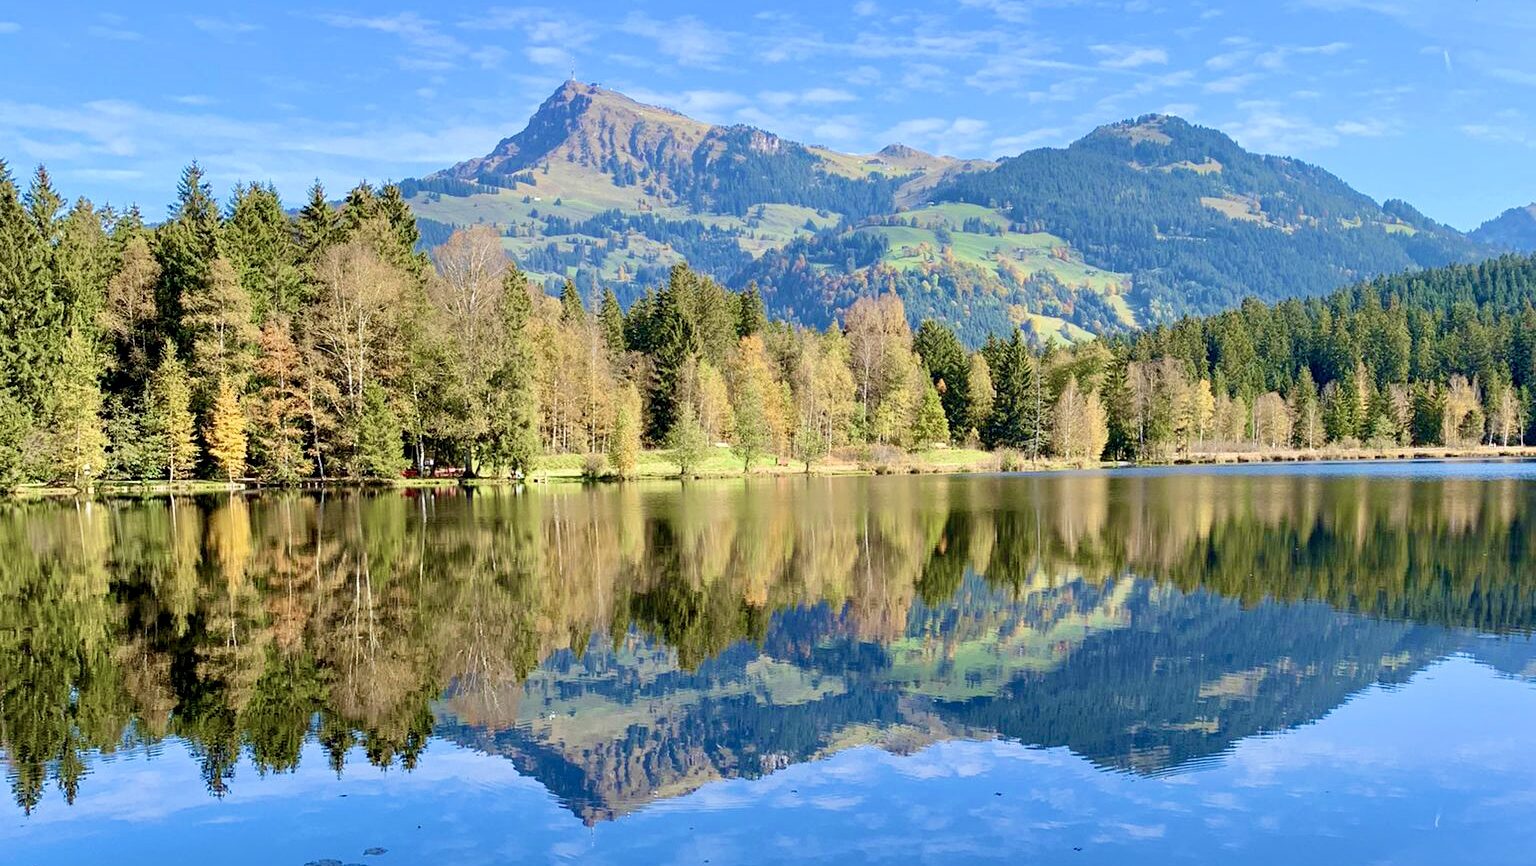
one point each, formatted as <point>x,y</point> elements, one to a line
<point>924,77</point>
<point>865,8</point>
<point>1269,129</point>
<point>1231,84</point>
<point>431,49</point>
<point>1013,11</point>
<point>687,40</point>
<point>548,55</point>
<point>825,96</point>
<point>223,26</point>
<point>117,34</point>
<point>960,135</point>
<point>1499,134</point>
<point>1010,145</point>
<point>863,75</point>
<point>1277,58</point>
<point>702,104</point>
<point>1228,60</point>
<point>1367,128</point>
<point>9,27</point>
<point>1514,76</point>
<point>1129,56</point>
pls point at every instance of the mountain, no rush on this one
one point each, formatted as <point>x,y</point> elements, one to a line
<point>1139,222</point>
<point>1514,230</point>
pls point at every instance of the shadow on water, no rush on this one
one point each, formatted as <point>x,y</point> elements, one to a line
<point>629,643</point>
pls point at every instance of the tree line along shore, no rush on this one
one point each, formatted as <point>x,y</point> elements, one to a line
<point>239,342</point>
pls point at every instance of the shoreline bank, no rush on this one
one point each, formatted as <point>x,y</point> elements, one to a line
<point>656,467</point>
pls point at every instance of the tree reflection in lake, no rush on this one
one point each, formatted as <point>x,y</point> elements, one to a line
<point>628,643</point>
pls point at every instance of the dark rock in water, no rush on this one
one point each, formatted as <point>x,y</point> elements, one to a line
<point>375,851</point>
<point>323,863</point>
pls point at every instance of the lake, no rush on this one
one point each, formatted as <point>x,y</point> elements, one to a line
<point>1269,665</point>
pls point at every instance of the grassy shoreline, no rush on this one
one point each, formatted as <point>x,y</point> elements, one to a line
<point>655,466</point>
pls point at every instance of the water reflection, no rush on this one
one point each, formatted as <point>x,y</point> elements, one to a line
<point>627,644</point>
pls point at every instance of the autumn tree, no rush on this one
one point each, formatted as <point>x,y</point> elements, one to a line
<point>224,431</point>
<point>1272,421</point>
<point>279,406</point>
<point>169,424</point>
<point>1079,429</point>
<point>624,444</point>
<point>981,393</point>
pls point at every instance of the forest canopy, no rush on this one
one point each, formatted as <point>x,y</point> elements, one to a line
<point>240,340</point>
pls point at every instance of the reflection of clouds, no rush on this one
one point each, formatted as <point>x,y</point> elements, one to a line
<point>1364,784</point>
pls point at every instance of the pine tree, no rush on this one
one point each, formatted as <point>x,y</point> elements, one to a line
<point>130,453</point>
<point>31,311</point>
<point>318,226</point>
<point>1014,422</point>
<point>751,318</point>
<point>1308,429</point>
<point>80,443</point>
<point>571,309</point>
<point>169,424</point>
<point>514,435</point>
<point>612,320</point>
<point>17,443</point>
<point>675,344</point>
<point>378,452</point>
<point>218,323</point>
<point>946,362</point>
<point>259,243</point>
<point>185,248</point>
<point>224,432</point>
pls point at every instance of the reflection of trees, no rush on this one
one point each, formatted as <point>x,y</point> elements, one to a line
<point>246,625</point>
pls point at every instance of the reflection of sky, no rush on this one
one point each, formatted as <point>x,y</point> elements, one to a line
<point>1437,771</point>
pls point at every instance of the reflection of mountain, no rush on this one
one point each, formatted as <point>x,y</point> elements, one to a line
<point>1143,620</point>
<point>1127,674</point>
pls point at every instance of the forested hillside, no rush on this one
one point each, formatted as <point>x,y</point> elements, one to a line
<point>1138,223</point>
<point>1514,230</point>
<point>1199,223</point>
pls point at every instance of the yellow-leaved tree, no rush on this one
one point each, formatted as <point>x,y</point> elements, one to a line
<point>225,431</point>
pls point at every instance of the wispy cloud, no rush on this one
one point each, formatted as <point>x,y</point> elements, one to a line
<point>1365,128</point>
<point>687,40</point>
<point>1231,84</point>
<point>1013,11</point>
<point>1129,56</point>
<point>118,34</point>
<point>711,105</point>
<point>960,135</point>
<point>1008,145</point>
<point>431,50</point>
<point>1269,128</point>
<point>9,27</point>
<point>223,26</point>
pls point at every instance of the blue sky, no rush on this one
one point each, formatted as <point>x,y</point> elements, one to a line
<point>1428,100</point>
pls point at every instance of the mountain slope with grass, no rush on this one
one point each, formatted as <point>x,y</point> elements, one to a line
<point>1137,223</point>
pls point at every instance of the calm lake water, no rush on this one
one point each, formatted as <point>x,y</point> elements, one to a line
<point>1325,664</point>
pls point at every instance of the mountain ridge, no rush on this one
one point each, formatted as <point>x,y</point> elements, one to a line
<point>1139,221</point>
<point>1513,230</point>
